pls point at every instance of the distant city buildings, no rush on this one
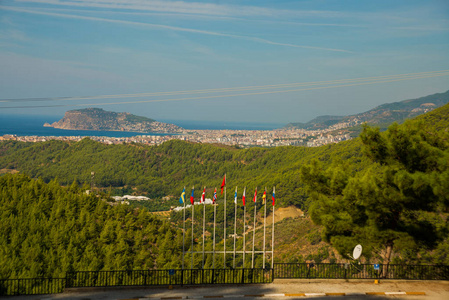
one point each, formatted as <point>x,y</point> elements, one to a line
<point>240,138</point>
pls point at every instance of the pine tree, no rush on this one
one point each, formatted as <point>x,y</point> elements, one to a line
<point>394,203</point>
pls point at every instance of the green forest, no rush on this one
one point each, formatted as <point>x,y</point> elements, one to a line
<point>386,190</point>
<point>48,230</point>
<point>158,171</point>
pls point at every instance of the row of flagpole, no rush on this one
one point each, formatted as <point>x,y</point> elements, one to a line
<point>182,200</point>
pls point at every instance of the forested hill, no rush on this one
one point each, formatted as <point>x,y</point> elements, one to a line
<point>389,191</point>
<point>99,119</point>
<point>399,204</point>
<point>164,170</point>
<point>383,114</point>
<point>47,230</point>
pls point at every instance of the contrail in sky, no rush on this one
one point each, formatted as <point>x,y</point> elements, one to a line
<point>173,28</point>
<point>258,90</point>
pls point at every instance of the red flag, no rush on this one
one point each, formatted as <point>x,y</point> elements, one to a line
<point>192,200</point>
<point>255,196</point>
<point>273,197</point>
<point>223,184</point>
<point>203,196</point>
<point>243,198</point>
<point>264,196</point>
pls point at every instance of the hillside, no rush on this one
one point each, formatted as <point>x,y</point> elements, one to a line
<point>159,171</point>
<point>383,114</point>
<point>46,230</point>
<point>99,119</point>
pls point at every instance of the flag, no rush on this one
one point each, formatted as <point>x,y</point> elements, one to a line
<point>255,196</point>
<point>243,198</point>
<point>203,196</point>
<point>182,199</point>
<point>223,184</point>
<point>215,196</point>
<point>191,196</point>
<point>264,197</point>
<point>235,196</point>
<point>273,197</point>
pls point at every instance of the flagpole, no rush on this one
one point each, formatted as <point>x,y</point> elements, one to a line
<point>244,229</point>
<point>224,237</point>
<point>264,222</point>
<point>235,224</point>
<point>272,236</point>
<point>213,246</point>
<point>183,230</point>
<point>204,221</point>
<point>254,232</point>
<point>191,247</point>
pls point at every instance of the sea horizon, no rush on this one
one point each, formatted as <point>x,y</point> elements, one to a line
<point>33,125</point>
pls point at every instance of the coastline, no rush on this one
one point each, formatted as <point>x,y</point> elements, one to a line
<point>32,130</point>
<point>112,130</point>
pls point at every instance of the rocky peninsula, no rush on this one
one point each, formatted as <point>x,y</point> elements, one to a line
<point>101,120</point>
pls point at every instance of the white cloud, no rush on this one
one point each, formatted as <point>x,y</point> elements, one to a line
<point>424,28</point>
<point>403,19</point>
<point>186,7</point>
<point>157,6</point>
<point>6,21</point>
<point>9,33</point>
<point>173,28</point>
<point>13,34</point>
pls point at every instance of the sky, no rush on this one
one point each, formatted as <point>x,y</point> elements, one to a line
<point>271,61</point>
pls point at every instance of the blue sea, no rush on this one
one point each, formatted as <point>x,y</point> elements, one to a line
<point>28,125</point>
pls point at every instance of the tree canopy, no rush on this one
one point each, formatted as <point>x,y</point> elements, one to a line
<point>47,230</point>
<point>159,171</point>
<point>398,203</point>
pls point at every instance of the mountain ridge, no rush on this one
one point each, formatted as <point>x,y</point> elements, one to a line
<point>382,114</point>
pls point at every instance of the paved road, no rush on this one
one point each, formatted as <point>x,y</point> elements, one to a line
<point>278,290</point>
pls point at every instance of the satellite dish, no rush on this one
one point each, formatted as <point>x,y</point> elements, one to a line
<point>357,251</point>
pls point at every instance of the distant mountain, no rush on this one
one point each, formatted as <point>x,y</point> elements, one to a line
<point>99,119</point>
<point>383,114</point>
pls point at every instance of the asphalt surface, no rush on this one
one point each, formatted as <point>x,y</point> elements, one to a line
<point>278,290</point>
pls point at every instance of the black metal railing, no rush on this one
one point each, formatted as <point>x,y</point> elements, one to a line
<point>32,286</point>
<point>361,271</point>
<point>220,276</point>
<point>168,277</point>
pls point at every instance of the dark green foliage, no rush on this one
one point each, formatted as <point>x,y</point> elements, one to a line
<point>46,230</point>
<point>397,203</point>
<point>137,119</point>
<point>164,170</point>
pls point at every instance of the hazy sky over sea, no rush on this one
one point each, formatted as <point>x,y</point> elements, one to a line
<point>51,49</point>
